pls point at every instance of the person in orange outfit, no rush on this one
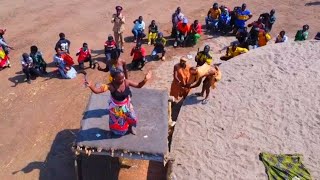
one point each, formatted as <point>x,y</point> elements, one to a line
<point>181,75</point>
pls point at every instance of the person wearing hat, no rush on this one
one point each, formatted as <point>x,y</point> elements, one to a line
<point>138,29</point>
<point>139,56</point>
<point>28,67</point>
<point>242,16</point>
<point>204,56</point>
<point>233,51</point>
<point>118,20</point>
<point>302,34</point>
<point>213,16</point>
<point>181,75</point>
<point>159,46</point>
<point>110,46</point>
<point>182,32</point>
<point>176,17</point>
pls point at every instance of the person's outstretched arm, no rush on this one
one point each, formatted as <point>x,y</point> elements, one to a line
<point>97,90</point>
<point>142,83</point>
<point>197,84</point>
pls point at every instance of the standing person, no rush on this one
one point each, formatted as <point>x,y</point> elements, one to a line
<point>153,32</point>
<point>263,37</point>
<point>182,33</point>
<point>181,75</point>
<point>270,20</point>
<point>139,56</point>
<point>28,67</point>
<point>195,31</point>
<point>118,20</point>
<point>138,29</point>
<point>281,37</point>
<point>110,46</point>
<point>213,16</point>
<point>224,20</point>
<point>204,56</point>
<point>242,16</point>
<point>302,35</point>
<point>122,118</point>
<point>176,17</point>
<point>39,63</point>
<point>242,35</point>
<point>84,54</point>
<point>115,64</point>
<point>6,49</point>
<point>63,43</point>
<point>211,76</point>
<point>159,47</point>
<point>65,69</point>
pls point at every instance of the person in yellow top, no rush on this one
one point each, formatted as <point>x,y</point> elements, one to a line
<point>204,56</point>
<point>211,76</point>
<point>233,51</point>
<point>213,16</point>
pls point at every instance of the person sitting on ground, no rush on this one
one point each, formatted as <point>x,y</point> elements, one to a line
<point>153,32</point>
<point>159,47</point>
<point>181,75</point>
<point>84,54</point>
<point>242,16</point>
<point>110,46</point>
<point>118,20</point>
<point>213,16</point>
<point>195,31</point>
<point>64,67</point>
<point>242,36</point>
<point>253,37</point>
<point>39,64</point>
<point>182,33</point>
<point>115,64</point>
<point>281,37</point>
<point>302,34</point>
<point>139,56</point>
<point>263,38</point>
<point>257,24</point>
<point>176,17</point>
<point>6,49</point>
<point>233,51</point>
<point>211,76</point>
<point>317,37</point>
<point>63,43</point>
<point>28,67</point>
<point>138,29</point>
<point>224,20</point>
<point>122,118</point>
<point>204,56</point>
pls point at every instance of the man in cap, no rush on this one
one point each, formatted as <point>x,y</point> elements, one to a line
<point>242,15</point>
<point>204,56</point>
<point>177,16</point>
<point>139,56</point>
<point>118,20</point>
<point>213,16</point>
<point>159,46</point>
<point>182,32</point>
<point>181,75</point>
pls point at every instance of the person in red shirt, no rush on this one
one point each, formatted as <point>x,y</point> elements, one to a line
<point>110,46</point>
<point>194,33</point>
<point>139,56</point>
<point>85,56</point>
<point>182,32</point>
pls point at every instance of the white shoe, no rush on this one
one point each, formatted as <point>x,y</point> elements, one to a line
<point>149,43</point>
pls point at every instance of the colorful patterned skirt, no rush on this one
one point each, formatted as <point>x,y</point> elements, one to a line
<point>121,116</point>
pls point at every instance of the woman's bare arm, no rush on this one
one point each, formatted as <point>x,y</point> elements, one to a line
<point>142,83</point>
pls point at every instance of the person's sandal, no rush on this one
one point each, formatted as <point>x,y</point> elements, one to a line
<point>205,101</point>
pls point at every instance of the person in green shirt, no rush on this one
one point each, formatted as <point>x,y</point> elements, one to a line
<point>302,34</point>
<point>39,64</point>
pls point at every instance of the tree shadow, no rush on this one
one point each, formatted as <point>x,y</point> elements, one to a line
<point>313,3</point>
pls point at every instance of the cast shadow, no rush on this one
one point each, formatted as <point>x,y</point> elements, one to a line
<point>192,99</point>
<point>313,3</point>
<point>156,171</point>
<point>18,79</point>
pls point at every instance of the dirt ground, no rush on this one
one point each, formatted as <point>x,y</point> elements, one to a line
<point>39,121</point>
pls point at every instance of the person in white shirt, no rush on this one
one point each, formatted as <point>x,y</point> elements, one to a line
<point>281,37</point>
<point>177,16</point>
<point>138,29</point>
<point>28,67</point>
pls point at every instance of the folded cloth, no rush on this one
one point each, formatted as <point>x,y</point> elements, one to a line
<point>284,166</point>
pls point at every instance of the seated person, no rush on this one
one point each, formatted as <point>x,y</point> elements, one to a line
<point>195,31</point>
<point>242,15</point>
<point>302,34</point>
<point>139,56</point>
<point>204,56</point>
<point>213,16</point>
<point>182,32</point>
<point>153,32</point>
<point>64,66</point>
<point>159,47</point>
<point>263,38</point>
<point>84,54</point>
<point>224,24</point>
<point>281,37</point>
<point>233,51</point>
<point>109,47</point>
<point>39,64</point>
<point>28,67</point>
<point>138,29</point>
<point>176,17</point>
<point>242,35</point>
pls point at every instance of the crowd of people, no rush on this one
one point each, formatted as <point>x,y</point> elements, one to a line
<point>219,20</point>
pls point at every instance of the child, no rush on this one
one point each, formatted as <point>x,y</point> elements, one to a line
<point>139,56</point>
<point>159,46</point>
<point>153,31</point>
<point>84,56</point>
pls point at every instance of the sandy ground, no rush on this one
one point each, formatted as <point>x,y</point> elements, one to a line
<point>39,121</point>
